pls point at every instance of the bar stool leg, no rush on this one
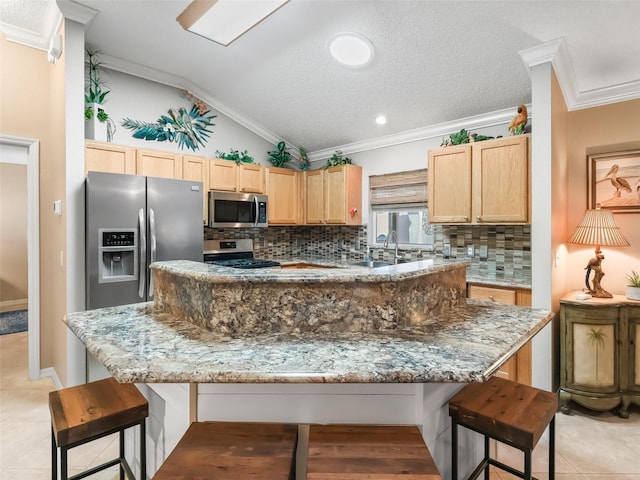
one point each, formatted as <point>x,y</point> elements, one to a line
<point>54,456</point>
<point>121,466</point>
<point>552,449</point>
<point>454,449</point>
<point>63,463</point>
<point>527,465</point>
<point>486,457</point>
<point>143,450</point>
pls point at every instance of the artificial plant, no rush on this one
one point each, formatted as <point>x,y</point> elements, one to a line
<point>281,156</point>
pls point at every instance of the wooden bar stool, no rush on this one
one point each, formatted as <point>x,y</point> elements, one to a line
<point>344,452</point>
<point>509,412</point>
<point>233,451</point>
<point>88,412</point>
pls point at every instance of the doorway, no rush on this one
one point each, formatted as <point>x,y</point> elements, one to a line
<point>26,151</point>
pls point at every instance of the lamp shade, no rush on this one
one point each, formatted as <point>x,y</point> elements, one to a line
<point>598,227</point>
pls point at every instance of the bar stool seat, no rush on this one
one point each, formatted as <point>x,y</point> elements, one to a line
<point>509,412</point>
<point>233,451</point>
<point>91,411</point>
<point>384,452</point>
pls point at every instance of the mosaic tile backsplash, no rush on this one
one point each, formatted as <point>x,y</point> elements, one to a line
<point>499,250</point>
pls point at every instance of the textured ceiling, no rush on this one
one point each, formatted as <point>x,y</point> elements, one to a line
<point>435,61</point>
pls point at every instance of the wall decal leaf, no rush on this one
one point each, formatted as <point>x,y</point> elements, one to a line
<point>188,129</point>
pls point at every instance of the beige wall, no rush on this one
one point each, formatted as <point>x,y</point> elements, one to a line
<point>608,128</point>
<point>13,236</point>
<point>32,105</point>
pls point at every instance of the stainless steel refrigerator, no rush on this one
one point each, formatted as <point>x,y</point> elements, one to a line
<point>132,221</point>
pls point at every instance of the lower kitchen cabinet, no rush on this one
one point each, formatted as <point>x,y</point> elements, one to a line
<point>599,364</point>
<point>518,367</point>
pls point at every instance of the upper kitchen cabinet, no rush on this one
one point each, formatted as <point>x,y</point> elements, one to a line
<point>334,195</point>
<point>482,183</point>
<point>229,176</point>
<point>107,157</point>
<point>314,197</point>
<point>449,185</point>
<point>284,192</point>
<point>156,163</point>
<point>223,175</point>
<point>197,169</point>
<point>251,178</point>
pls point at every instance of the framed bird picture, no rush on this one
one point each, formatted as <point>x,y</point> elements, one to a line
<point>614,181</point>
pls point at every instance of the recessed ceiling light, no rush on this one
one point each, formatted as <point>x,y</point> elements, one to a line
<point>351,49</point>
<point>381,119</point>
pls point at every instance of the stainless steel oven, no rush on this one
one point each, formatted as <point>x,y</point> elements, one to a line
<point>232,210</point>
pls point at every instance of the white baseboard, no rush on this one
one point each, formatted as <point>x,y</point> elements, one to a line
<point>51,372</point>
<point>13,305</point>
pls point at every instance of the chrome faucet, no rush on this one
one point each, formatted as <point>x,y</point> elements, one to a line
<point>393,234</point>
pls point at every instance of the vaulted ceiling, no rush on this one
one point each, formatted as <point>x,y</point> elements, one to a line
<point>434,61</point>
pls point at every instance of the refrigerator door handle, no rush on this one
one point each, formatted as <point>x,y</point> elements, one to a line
<point>142,274</point>
<point>153,246</point>
<point>255,201</point>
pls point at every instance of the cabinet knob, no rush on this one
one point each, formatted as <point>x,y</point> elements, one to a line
<point>478,217</point>
<point>465,217</point>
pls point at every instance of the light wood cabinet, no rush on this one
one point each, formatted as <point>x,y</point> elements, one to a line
<point>197,169</point>
<point>230,176</point>
<point>483,182</point>
<point>156,163</point>
<point>314,197</point>
<point>223,175</point>
<point>285,199</point>
<point>251,178</point>
<point>518,367</point>
<point>110,158</point>
<point>599,363</point>
<point>449,185</point>
<point>334,195</point>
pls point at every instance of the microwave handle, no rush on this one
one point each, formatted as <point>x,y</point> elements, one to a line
<point>255,201</point>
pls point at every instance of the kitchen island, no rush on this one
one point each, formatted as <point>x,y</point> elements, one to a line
<point>402,371</point>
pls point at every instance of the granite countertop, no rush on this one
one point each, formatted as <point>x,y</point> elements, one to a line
<point>329,271</point>
<point>498,279</point>
<point>139,343</point>
<point>475,274</point>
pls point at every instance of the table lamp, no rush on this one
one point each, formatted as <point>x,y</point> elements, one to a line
<point>597,227</point>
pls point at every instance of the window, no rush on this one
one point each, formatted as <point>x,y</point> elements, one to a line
<point>399,204</point>
<point>410,224</point>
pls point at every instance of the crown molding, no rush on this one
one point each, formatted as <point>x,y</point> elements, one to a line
<point>556,53</point>
<point>76,12</point>
<point>41,40</point>
<point>490,119</point>
<point>182,83</point>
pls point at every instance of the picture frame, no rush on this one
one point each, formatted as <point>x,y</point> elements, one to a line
<point>614,181</point>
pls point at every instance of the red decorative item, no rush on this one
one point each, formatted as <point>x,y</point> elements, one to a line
<point>353,212</point>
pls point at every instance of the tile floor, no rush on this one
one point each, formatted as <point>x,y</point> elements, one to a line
<point>590,446</point>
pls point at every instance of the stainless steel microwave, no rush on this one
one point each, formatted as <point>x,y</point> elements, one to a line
<point>233,210</point>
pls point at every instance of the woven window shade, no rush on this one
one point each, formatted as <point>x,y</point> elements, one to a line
<point>403,189</point>
<point>598,227</point>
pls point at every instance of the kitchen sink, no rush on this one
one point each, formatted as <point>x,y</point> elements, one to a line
<point>372,264</point>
